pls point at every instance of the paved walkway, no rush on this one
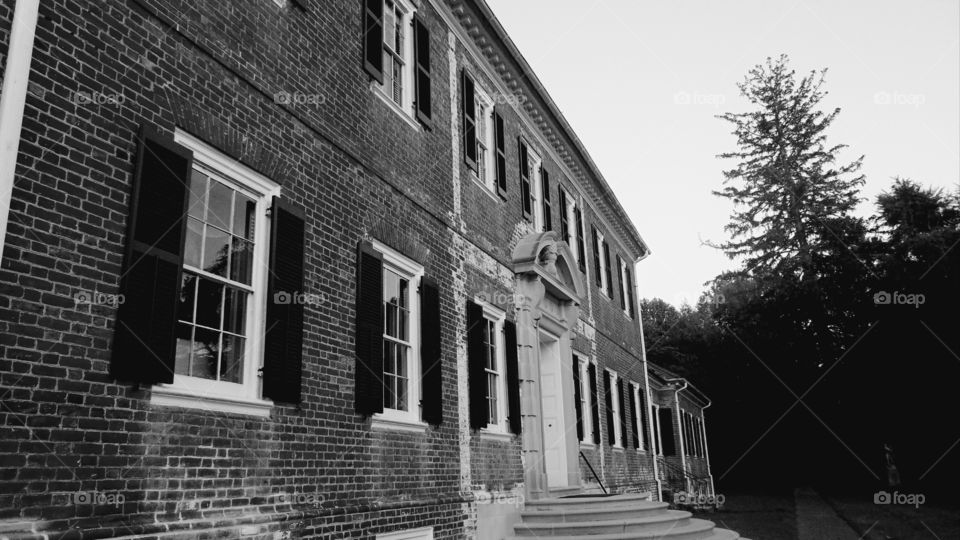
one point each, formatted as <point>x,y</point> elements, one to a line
<point>816,520</point>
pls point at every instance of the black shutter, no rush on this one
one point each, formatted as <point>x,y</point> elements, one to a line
<point>526,192</point>
<point>501,144</point>
<point>545,188</point>
<point>643,416</point>
<point>635,418</point>
<point>631,306</point>
<point>608,394</point>
<point>421,44</point>
<point>667,437</point>
<point>373,38</point>
<point>623,297</point>
<point>655,424</point>
<point>623,413</point>
<point>283,343</point>
<point>594,402</point>
<point>369,363</point>
<point>564,223</point>
<point>596,256</point>
<point>513,375</point>
<point>576,397</point>
<point>581,243</point>
<point>468,115</point>
<point>431,354</point>
<point>144,347</point>
<point>476,360</point>
<point>606,260</point>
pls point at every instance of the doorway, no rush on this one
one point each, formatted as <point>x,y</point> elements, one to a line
<point>554,426</point>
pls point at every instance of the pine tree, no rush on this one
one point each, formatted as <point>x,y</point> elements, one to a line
<point>787,183</point>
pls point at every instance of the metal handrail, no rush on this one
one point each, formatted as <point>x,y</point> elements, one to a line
<point>594,472</point>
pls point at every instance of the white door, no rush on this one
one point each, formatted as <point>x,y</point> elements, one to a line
<point>554,431</point>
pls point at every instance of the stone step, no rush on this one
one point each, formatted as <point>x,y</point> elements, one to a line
<point>696,529</point>
<point>635,500</point>
<point>603,513</point>
<point>663,522</point>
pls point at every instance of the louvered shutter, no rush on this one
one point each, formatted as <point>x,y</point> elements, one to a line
<point>576,397</point>
<point>513,376</point>
<point>623,414</point>
<point>476,372</point>
<point>369,390</point>
<point>422,101</point>
<point>373,38</point>
<point>596,257</point>
<point>635,418</point>
<point>144,346</point>
<point>500,142</point>
<point>608,270</point>
<point>283,343</point>
<point>526,191</point>
<point>547,203</point>
<point>623,297</point>
<point>643,415</point>
<point>564,222</point>
<point>468,115</point>
<point>594,402</point>
<point>667,437</point>
<point>581,243</point>
<point>631,305</point>
<point>431,352</point>
<point>608,394</point>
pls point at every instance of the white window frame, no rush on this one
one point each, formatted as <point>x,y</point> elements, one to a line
<point>570,235</point>
<point>603,256</point>
<point>659,430</point>
<point>405,108</point>
<point>617,409</point>
<point>488,165</point>
<point>536,189</point>
<point>624,290</point>
<point>423,533</point>
<point>638,417</point>
<point>413,272</point>
<point>245,397</point>
<point>586,399</point>
<point>497,316</point>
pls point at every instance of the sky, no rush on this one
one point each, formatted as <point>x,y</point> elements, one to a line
<point>641,81</point>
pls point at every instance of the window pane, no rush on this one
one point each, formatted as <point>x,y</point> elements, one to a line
<point>187,293</point>
<point>220,205</point>
<point>198,195</point>
<point>390,320</point>
<point>241,261</point>
<point>401,361</point>
<point>244,216</point>
<point>216,251</point>
<point>389,357</point>
<point>231,363</point>
<point>193,243</point>
<point>206,345</point>
<point>235,311</point>
<point>209,301</point>
<point>184,339</point>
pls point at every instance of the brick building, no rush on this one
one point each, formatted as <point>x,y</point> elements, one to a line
<point>291,268</point>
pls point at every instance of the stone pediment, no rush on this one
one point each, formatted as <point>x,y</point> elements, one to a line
<point>550,258</point>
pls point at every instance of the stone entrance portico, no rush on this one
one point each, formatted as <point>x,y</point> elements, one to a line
<point>549,293</point>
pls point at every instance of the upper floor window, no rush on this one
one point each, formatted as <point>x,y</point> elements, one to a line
<point>536,189</point>
<point>601,254</point>
<point>397,53</point>
<point>486,158</point>
<point>626,287</point>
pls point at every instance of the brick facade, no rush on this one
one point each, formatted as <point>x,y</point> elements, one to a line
<point>225,73</point>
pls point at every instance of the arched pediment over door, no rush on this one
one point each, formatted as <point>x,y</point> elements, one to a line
<point>550,259</point>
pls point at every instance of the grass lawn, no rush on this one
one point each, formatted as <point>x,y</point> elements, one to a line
<point>767,516</point>
<point>934,520</point>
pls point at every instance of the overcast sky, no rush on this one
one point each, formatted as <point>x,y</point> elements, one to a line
<point>641,81</point>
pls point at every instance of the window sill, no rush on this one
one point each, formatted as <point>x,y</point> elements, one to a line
<point>617,448</point>
<point>588,445</point>
<point>383,423</point>
<point>486,189</point>
<point>167,396</point>
<point>495,435</point>
<point>375,88</point>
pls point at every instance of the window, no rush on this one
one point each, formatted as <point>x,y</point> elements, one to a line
<point>401,334</point>
<point>536,189</point>
<point>626,288</point>
<point>586,395</point>
<point>602,262</point>
<point>495,368</point>
<point>486,150</point>
<point>615,403</point>
<point>219,330</point>
<point>398,53</point>
<point>568,222</point>
<point>637,412</point>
